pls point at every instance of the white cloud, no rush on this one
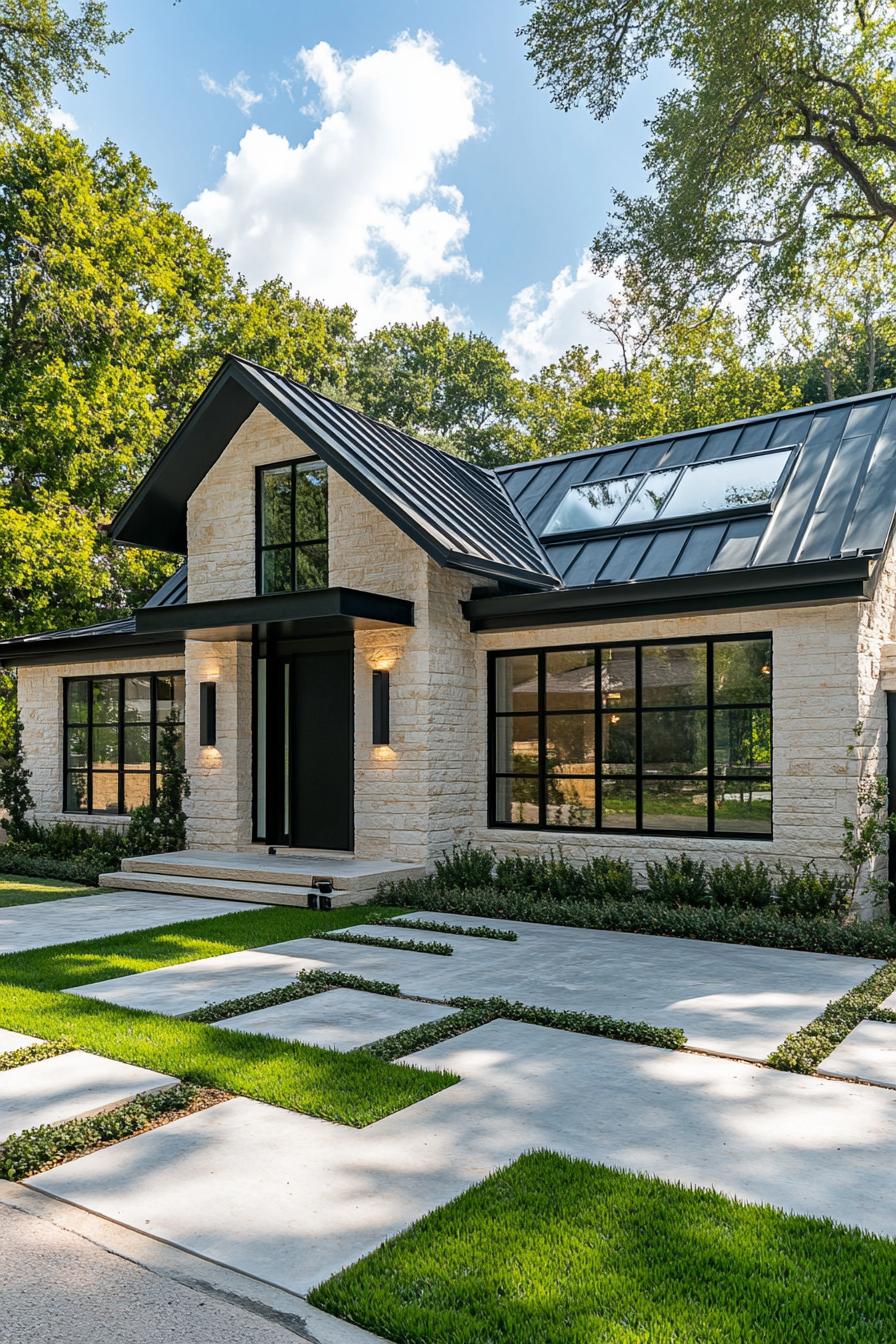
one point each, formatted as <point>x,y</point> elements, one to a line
<point>544,320</point>
<point>62,121</point>
<point>356,214</point>
<point>238,90</point>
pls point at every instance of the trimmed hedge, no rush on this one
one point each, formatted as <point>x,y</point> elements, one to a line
<point>32,1054</point>
<point>441,926</point>
<point>33,1150</point>
<point>307,983</point>
<point>402,944</point>
<point>804,1050</point>
<point>81,869</point>
<point>719,924</point>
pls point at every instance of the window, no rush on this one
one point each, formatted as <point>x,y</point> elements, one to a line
<point>292,528</point>
<point>668,738</point>
<point>745,483</point>
<point>111,727</point>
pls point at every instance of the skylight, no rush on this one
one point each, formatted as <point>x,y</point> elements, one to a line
<point>692,491</point>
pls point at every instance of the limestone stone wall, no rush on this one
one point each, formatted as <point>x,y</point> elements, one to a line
<point>221,510</point>
<point>40,705</point>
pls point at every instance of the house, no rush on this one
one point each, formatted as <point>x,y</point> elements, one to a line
<point>380,649</point>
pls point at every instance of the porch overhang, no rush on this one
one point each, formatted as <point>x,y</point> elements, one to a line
<point>327,611</point>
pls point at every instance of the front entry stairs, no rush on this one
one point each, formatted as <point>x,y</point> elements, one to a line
<point>285,878</point>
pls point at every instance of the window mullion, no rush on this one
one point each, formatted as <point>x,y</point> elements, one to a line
<point>542,743</point>
<point>120,746</point>
<point>710,740</point>
<point>639,743</point>
<point>89,761</point>
<point>598,740</point>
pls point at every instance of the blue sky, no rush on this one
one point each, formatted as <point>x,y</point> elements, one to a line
<point>405,163</point>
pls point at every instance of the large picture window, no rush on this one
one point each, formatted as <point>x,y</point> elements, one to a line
<point>111,727</point>
<point>670,738</point>
<point>292,528</point>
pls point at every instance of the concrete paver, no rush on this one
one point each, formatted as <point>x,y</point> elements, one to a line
<point>66,1086</point>
<point>868,1052</point>
<point>14,1040</point>
<point>342,1019</point>
<point>292,1199</point>
<point>729,999</point>
<point>109,912</point>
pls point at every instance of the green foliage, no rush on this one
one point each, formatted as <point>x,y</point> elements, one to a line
<point>464,930</point>
<point>162,828</point>
<point>401,944</point>
<point>32,1054</point>
<point>606,878</point>
<point>43,46</point>
<point>305,984</point>
<point>805,1049</point>
<point>806,892</point>
<point>555,1250</point>
<point>82,869</point>
<point>465,866</point>
<point>767,927</point>
<point>15,796</point>
<point>740,884</point>
<point>36,890</point>
<point>866,836</point>
<point>539,875</point>
<point>681,881</point>
<point>773,146</point>
<point>33,1150</point>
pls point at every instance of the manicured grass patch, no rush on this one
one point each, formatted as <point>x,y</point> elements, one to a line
<point>718,924</point>
<point>805,1049</point>
<point>32,1054</point>
<point>306,984</point>
<point>349,1089</point>
<point>30,891</point>
<point>33,1150</point>
<point>399,944</point>
<point>442,926</point>
<point>556,1251</point>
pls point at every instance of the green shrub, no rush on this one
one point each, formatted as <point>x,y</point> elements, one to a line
<point>66,840</point>
<point>680,881</point>
<point>15,795</point>
<point>539,875</point>
<point>81,870</point>
<point>465,866</point>
<point>607,879</point>
<point>162,828</point>
<point>741,884</point>
<point>804,1050</point>
<point>810,893</point>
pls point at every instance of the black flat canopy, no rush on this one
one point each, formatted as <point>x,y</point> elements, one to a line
<point>326,611</point>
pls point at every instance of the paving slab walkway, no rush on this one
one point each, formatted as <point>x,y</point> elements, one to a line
<point>81,917</point>
<point>729,999</point>
<point>66,1086</point>
<point>341,1019</point>
<point>868,1052</point>
<point>14,1040</point>
<point>293,1199</point>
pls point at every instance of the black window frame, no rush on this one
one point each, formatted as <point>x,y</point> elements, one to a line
<point>294,545</point>
<point>119,770</point>
<point>709,706</point>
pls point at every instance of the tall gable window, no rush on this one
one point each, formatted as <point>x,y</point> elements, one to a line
<point>670,739</point>
<point>111,751</point>
<point>292,527</point>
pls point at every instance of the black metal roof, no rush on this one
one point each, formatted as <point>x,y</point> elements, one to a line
<point>457,512</point>
<point>839,499</point>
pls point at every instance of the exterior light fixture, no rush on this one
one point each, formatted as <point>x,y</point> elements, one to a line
<point>207,713</point>
<point>380,708</point>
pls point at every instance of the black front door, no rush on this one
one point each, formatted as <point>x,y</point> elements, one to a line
<point>321,748</point>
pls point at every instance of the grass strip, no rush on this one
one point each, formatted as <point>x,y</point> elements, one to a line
<point>401,944</point>
<point>33,1054</point>
<point>805,1049</point>
<point>348,1089</point>
<point>33,1150</point>
<point>718,924</point>
<point>25,892</point>
<point>553,1250</point>
<point>307,983</point>
<point>437,926</point>
<point>476,1012</point>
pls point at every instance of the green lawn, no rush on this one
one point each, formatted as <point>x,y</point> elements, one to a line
<point>30,890</point>
<point>556,1251</point>
<point>353,1089</point>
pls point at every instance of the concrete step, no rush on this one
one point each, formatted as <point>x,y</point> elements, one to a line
<point>224,889</point>
<point>279,870</point>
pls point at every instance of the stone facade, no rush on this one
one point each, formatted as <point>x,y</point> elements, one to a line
<point>428,789</point>
<point>39,692</point>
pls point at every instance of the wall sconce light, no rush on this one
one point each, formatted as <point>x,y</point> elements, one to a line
<point>380,708</point>
<point>207,713</point>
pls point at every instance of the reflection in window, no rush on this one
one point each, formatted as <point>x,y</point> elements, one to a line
<point>292,528</point>
<point>673,738</point>
<point>110,752</point>
<point>701,488</point>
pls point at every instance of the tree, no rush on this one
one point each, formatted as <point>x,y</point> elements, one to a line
<point>456,390</point>
<point>41,45</point>
<point>779,139</point>
<point>15,795</point>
